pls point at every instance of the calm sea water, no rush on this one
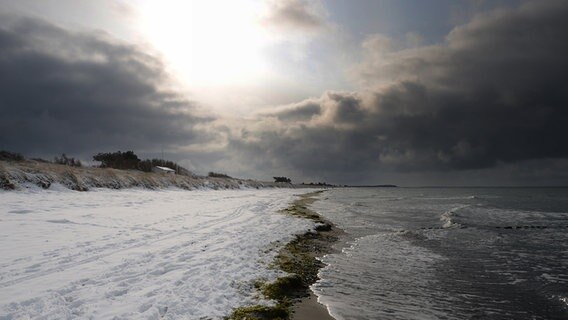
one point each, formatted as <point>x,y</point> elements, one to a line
<point>447,253</point>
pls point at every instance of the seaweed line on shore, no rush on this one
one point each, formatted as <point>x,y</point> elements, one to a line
<point>299,258</point>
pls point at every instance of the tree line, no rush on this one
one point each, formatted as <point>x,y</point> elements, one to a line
<point>128,160</point>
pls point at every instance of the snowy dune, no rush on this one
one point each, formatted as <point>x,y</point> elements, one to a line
<point>29,173</point>
<point>125,254</point>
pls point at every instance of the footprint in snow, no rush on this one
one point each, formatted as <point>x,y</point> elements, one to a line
<point>60,221</point>
<point>21,211</point>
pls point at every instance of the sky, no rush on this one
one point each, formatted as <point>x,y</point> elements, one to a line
<point>413,93</point>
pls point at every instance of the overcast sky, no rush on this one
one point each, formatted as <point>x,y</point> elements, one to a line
<point>359,92</point>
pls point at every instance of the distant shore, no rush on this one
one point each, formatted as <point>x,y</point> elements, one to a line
<point>375,186</point>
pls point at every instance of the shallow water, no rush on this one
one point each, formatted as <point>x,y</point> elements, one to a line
<point>447,253</point>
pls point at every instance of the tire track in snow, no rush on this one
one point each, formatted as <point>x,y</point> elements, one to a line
<point>234,215</point>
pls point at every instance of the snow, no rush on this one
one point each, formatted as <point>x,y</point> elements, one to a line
<point>124,254</point>
<point>165,169</point>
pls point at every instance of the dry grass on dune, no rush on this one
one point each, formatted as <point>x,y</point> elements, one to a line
<point>16,174</point>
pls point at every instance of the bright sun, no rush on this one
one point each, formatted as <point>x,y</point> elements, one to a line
<point>207,42</point>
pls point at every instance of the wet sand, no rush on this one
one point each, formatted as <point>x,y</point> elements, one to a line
<point>310,309</point>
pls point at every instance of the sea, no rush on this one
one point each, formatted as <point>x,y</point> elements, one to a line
<point>446,253</point>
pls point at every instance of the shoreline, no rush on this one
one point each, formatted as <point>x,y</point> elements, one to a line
<point>300,259</point>
<point>308,308</point>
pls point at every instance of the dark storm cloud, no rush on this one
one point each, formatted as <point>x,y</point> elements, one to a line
<point>293,14</point>
<point>81,93</point>
<point>494,93</point>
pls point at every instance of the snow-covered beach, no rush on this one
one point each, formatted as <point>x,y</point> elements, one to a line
<point>137,253</point>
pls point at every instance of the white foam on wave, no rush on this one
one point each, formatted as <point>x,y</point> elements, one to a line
<point>491,217</point>
<point>382,272</point>
<point>449,216</point>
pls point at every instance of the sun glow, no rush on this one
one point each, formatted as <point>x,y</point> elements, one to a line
<point>207,42</point>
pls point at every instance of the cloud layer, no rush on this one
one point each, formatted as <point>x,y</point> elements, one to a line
<point>81,93</point>
<point>494,93</point>
<point>493,98</point>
